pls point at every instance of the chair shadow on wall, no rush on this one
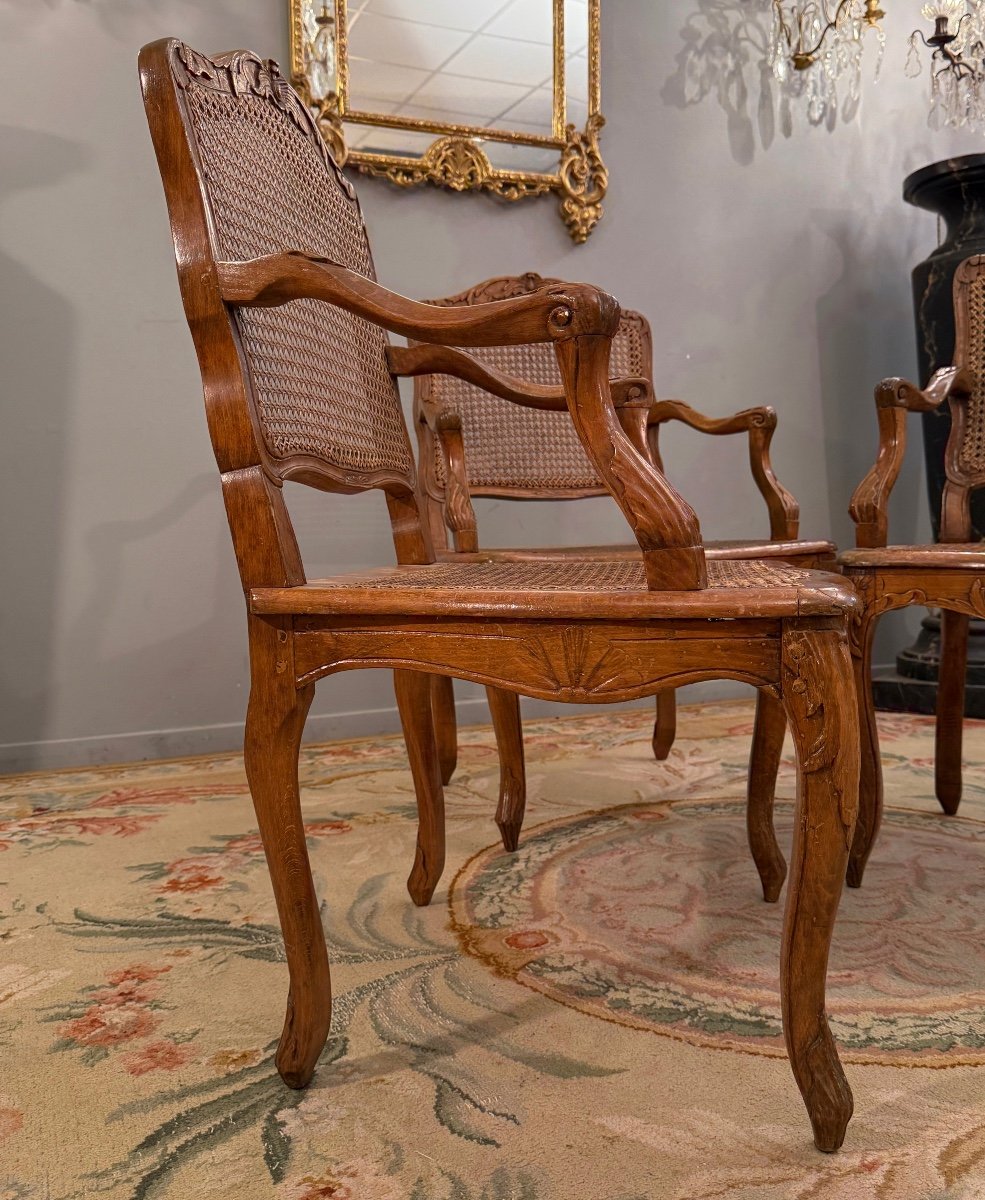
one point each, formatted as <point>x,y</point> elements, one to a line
<point>38,334</point>
<point>865,334</point>
<point>95,638</point>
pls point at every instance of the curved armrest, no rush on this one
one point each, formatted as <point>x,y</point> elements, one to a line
<point>894,399</point>
<point>542,316</point>
<point>634,391</point>
<point>579,319</point>
<point>760,424</point>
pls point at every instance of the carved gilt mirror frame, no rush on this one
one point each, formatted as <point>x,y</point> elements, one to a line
<point>409,148</point>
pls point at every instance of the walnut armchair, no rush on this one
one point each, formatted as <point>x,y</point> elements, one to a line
<point>501,429</point>
<point>946,575</point>
<point>289,325</point>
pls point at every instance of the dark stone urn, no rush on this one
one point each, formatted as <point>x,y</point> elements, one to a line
<point>954,189</point>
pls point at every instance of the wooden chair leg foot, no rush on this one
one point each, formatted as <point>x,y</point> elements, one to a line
<point>445,724</point>
<point>870,771</point>
<point>505,710</point>
<point>820,703</point>
<point>293,1067</point>
<point>274,723</point>
<point>764,762</point>
<point>414,694</point>
<point>665,725</point>
<point>950,710</point>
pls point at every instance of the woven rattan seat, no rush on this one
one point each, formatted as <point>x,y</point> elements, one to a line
<point>560,587</point>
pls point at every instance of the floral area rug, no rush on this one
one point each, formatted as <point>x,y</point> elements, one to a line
<point>595,1016</point>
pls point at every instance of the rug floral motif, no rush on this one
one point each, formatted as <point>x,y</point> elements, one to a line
<point>500,1044</point>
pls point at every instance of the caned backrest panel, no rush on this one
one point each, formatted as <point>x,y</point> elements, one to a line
<point>969,299</point>
<point>319,378</point>
<point>510,448</point>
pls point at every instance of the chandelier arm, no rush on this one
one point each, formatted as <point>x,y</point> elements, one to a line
<point>832,24</point>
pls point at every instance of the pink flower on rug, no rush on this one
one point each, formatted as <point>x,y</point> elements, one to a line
<point>742,729</point>
<point>191,875</point>
<point>354,1181</point>
<point>137,973</point>
<point>527,939</point>
<point>110,1024</point>
<point>62,823</point>
<point>173,795</point>
<point>247,843</point>
<point>201,872</point>
<point>11,1121</point>
<point>157,1056</point>
<point>128,992</point>
<point>326,828</point>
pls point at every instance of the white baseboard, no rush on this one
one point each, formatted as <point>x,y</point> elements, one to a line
<point>320,727</point>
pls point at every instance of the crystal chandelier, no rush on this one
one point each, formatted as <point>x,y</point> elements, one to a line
<point>957,64</point>
<point>320,37</point>
<point>816,50</point>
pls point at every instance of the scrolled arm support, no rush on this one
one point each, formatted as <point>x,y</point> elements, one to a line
<point>633,391</point>
<point>275,279</point>
<point>665,526</point>
<point>895,398</point>
<point>760,424</point>
<point>458,511</point>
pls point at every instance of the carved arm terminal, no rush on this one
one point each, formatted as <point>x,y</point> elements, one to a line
<point>895,398</point>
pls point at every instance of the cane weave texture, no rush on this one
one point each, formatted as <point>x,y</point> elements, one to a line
<point>971,456</point>
<point>319,374</point>
<point>508,446</point>
<point>545,575</point>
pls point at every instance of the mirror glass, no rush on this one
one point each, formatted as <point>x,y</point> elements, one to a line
<point>464,93</point>
<point>481,63</point>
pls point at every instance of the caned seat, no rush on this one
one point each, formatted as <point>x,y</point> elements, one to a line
<point>814,553</point>
<point>967,556</point>
<point>948,574</point>
<point>290,327</point>
<point>610,588</point>
<point>479,438</point>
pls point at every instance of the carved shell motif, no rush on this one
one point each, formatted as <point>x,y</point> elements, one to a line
<point>241,73</point>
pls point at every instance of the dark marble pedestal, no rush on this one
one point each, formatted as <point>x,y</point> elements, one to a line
<point>912,687</point>
<point>954,189</point>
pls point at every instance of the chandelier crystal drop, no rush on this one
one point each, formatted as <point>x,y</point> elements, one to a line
<point>319,32</point>
<point>816,52</point>
<point>957,63</point>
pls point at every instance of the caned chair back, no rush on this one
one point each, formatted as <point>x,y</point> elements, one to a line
<point>966,448</point>
<point>511,450</point>
<point>321,401</point>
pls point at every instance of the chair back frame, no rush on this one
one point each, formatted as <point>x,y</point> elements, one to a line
<point>252,477</point>
<point>964,454</point>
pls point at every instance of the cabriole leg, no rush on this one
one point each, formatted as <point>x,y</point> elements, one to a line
<point>823,713</point>
<point>870,777</point>
<point>505,709</point>
<point>950,710</point>
<point>445,724</point>
<point>764,762</point>
<point>413,689</point>
<point>274,723</point>
<point>665,725</point>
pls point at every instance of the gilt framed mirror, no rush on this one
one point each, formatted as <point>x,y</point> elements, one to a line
<point>501,96</point>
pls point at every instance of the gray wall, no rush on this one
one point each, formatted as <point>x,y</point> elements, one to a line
<point>773,269</point>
